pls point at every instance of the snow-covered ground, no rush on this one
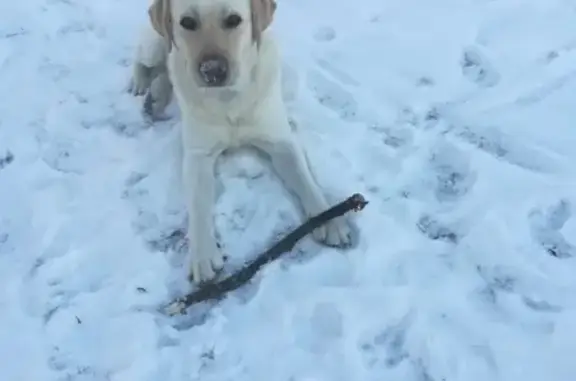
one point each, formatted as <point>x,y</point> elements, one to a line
<point>455,118</point>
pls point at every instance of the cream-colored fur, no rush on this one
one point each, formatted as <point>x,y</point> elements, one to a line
<point>247,110</point>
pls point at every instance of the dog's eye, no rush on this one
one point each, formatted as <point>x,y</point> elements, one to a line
<point>188,23</point>
<point>232,21</point>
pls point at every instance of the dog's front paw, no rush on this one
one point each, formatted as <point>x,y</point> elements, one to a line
<point>335,233</point>
<point>141,79</point>
<point>158,98</point>
<point>206,265</point>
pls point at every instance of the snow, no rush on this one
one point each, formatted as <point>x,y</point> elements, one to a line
<point>454,118</point>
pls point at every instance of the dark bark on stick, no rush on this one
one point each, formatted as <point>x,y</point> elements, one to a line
<point>217,290</point>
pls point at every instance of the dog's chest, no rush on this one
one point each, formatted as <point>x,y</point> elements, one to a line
<point>240,130</point>
<point>227,129</point>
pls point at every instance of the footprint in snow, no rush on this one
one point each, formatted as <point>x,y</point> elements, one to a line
<point>125,123</point>
<point>501,281</point>
<point>411,119</point>
<point>6,159</point>
<point>318,330</point>
<point>56,72</point>
<point>162,230</point>
<point>454,178</point>
<point>5,245</point>
<point>437,231</point>
<point>387,348</point>
<point>52,286</point>
<point>333,95</point>
<point>477,69</point>
<point>325,34</point>
<point>393,136</point>
<point>504,147</point>
<point>497,280</point>
<point>62,363</point>
<point>65,155</point>
<point>425,82</point>
<point>546,229</point>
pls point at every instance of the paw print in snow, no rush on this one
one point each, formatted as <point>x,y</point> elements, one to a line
<point>454,179</point>
<point>6,159</point>
<point>546,228</point>
<point>325,34</point>
<point>386,349</point>
<point>333,96</point>
<point>477,69</point>
<point>64,156</point>
<point>435,230</point>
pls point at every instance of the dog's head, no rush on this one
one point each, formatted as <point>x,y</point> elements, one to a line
<point>217,37</point>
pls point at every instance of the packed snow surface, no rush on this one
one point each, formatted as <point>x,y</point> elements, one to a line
<point>455,118</point>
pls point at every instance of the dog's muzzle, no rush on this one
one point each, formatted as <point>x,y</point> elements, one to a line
<point>213,70</point>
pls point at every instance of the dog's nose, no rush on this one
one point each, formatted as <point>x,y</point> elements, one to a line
<point>213,70</point>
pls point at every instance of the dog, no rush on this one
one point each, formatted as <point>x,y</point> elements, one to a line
<point>222,63</point>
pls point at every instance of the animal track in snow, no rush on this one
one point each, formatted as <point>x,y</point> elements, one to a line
<point>319,328</point>
<point>503,147</point>
<point>477,69</point>
<point>61,157</point>
<point>425,82</point>
<point>324,34</point>
<point>388,351</point>
<point>546,227</point>
<point>454,178</point>
<point>56,72</point>
<point>489,139</point>
<point>394,137</point>
<point>540,305</point>
<point>423,120</point>
<point>60,362</point>
<point>435,230</point>
<point>173,241</point>
<point>158,235</point>
<point>332,95</point>
<point>497,279</point>
<point>6,159</point>
<point>501,281</point>
<point>336,73</point>
<point>5,245</point>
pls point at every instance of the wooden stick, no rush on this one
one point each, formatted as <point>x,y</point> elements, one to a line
<point>217,290</point>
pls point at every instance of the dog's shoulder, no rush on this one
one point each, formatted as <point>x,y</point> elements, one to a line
<point>268,68</point>
<point>151,50</point>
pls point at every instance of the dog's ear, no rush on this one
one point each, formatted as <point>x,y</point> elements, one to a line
<point>161,19</point>
<point>262,14</point>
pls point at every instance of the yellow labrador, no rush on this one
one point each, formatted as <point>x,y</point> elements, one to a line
<point>222,63</point>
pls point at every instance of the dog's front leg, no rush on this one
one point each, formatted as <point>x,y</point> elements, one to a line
<point>151,52</point>
<point>291,165</point>
<point>159,96</point>
<point>150,73</point>
<point>200,193</point>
